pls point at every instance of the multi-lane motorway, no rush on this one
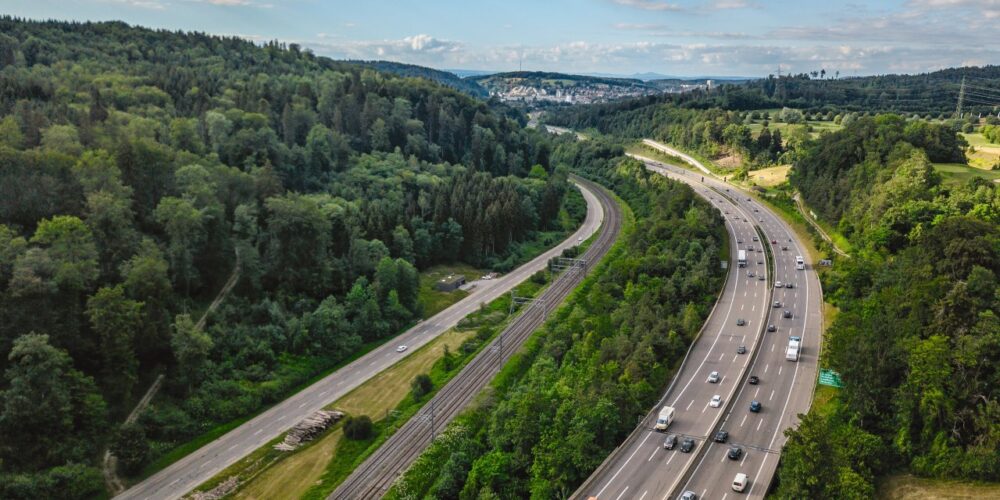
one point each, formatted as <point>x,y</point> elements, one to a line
<point>187,473</point>
<point>641,468</point>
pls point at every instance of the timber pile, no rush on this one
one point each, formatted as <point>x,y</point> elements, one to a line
<point>308,429</point>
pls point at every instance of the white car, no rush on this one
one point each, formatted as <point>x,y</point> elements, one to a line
<point>778,284</point>
<point>401,348</point>
<point>713,378</point>
<point>716,401</point>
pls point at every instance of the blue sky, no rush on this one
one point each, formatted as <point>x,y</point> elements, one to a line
<point>676,37</point>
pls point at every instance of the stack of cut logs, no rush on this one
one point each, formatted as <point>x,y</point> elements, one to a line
<point>308,429</point>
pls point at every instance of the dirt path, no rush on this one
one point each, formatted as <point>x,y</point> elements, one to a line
<point>110,462</point>
<point>822,233</point>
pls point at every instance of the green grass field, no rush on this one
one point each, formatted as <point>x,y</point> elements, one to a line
<point>956,173</point>
<point>907,487</point>
<point>434,301</point>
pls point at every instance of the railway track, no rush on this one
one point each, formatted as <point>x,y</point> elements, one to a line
<point>374,477</point>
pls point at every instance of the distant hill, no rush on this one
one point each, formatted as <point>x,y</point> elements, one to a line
<point>539,78</point>
<point>935,92</point>
<point>443,77</point>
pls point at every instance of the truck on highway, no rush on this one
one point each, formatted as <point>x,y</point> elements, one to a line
<point>800,263</point>
<point>792,354</point>
<point>741,258</point>
<point>665,418</point>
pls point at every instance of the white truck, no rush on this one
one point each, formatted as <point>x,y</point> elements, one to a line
<point>800,263</point>
<point>792,354</point>
<point>741,258</point>
<point>665,418</point>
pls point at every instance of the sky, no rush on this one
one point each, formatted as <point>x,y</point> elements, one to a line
<point>672,37</point>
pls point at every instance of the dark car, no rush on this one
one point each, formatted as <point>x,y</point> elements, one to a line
<point>787,313</point>
<point>754,380</point>
<point>789,285</point>
<point>772,328</point>
<point>687,445</point>
<point>774,242</point>
<point>784,248</point>
<point>735,452</point>
<point>760,262</point>
<point>721,436</point>
<point>742,349</point>
<point>670,442</point>
<point>740,322</point>
<point>777,304</point>
<point>755,406</point>
<point>761,277</point>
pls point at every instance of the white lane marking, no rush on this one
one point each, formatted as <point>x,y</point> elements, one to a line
<point>765,368</point>
<point>703,492</point>
<point>779,370</point>
<point>623,467</point>
<point>734,357</point>
<point>322,393</point>
<point>743,421</point>
<point>772,347</point>
<point>231,448</point>
<point>745,455</point>
<point>622,493</point>
<point>173,482</point>
<point>760,423</point>
<point>202,466</point>
<point>756,393</point>
<point>258,432</point>
<point>723,457</point>
<point>653,454</point>
<point>772,395</point>
<point>303,404</point>
<point>705,408</point>
<point>742,306</point>
<point>689,405</point>
<point>643,494</point>
<point>721,355</point>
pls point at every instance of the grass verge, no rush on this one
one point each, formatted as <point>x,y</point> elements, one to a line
<point>908,487</point>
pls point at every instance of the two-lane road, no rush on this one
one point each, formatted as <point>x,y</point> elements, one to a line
<point>641,468</point>
<point>201,465</point>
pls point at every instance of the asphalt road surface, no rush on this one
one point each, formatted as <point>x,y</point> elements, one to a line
<point>641,468</point>
<point>201,465</point>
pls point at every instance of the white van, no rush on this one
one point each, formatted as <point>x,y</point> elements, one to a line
<point>740,482</point>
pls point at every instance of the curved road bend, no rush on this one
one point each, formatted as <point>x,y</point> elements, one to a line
<point>376,475</point>
<point>201,465</point>
<point>641,468</point>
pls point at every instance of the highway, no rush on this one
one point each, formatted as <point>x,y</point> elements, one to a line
<point>201,465</point>
<point>641,468</point>
<point>375,476</point>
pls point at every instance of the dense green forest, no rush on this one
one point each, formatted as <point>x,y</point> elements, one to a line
<point>140,169</point>
<point>467,85</point>
<point>917,339</point>
<point>600,362</point>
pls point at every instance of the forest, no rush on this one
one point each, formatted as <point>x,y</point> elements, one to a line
<point>140,170</point>
<point>602,360</point>
<point>917,339</point>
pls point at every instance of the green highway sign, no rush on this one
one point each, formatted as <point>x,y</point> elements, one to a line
<point>830,378</point>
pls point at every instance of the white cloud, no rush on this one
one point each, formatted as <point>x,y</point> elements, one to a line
<point>650,5</point>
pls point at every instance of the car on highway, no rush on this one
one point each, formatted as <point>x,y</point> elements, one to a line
<point>721,436</point>
<point>778,284</point>
<point>761,277</point>
<point>689,495</point>
<point>787,314</point>
<point>789,285</point>
<point>401,348</point>
<point>670,442</point>
<point>740,482</point>
<point>713,377</point>
<point>754,380</point>
<point>777,304</point>
<point>735,452</point>
<point>716,401</point>
<point>783,247</point>
<point>755,238</point>
<point>755,406</point>
<point>742,349</point>
<point>687,445</point>
<point>750,274</point>
<point>740,321</point>
<point>772,328</point>
<point>760,262</point>
<point>774,242</point>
